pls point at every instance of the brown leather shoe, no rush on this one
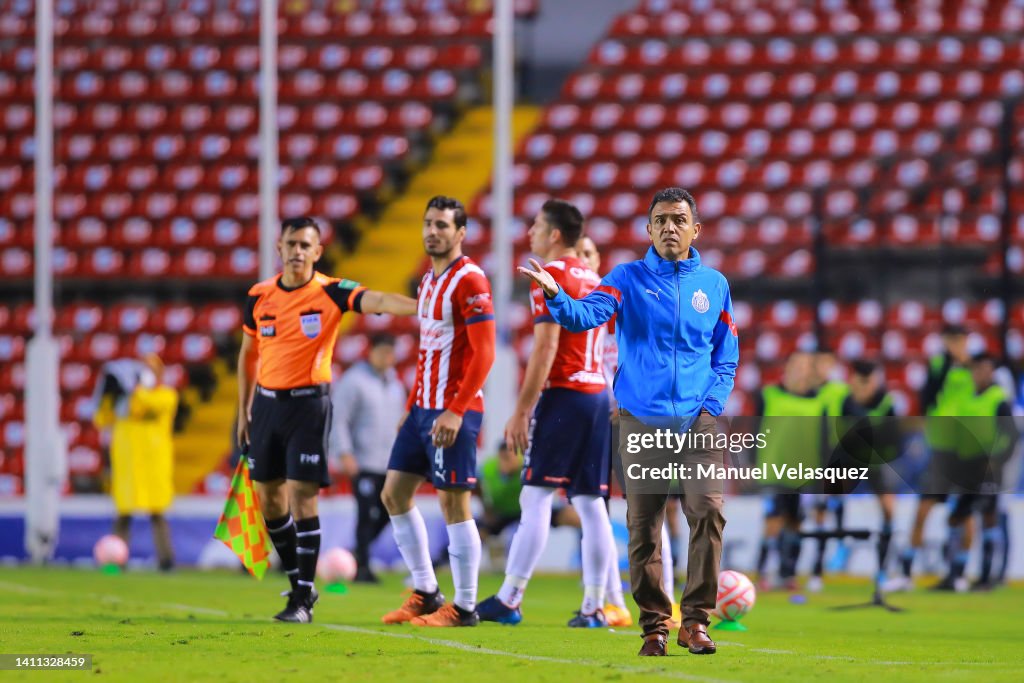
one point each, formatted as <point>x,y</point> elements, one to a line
<point>654,646</point>
<point>695,639</point>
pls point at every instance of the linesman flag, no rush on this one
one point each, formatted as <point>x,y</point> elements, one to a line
<point>241,526</point>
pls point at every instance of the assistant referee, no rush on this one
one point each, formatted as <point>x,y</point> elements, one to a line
<point>290,323</point>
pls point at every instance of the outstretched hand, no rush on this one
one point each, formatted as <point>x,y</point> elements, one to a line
<point>541,277</point>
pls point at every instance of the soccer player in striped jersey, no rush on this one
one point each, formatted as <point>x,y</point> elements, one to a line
<point>437,439</point>
<point>615,610</point>
<point>566,442</point>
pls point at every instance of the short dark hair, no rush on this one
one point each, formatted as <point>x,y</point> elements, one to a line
<point>444,203</point>
<point>298,223</point>
<point>953,330</point>
<point>567,218</point>
<point>381,339</point>
<point>863,368</point>
<point>983,357</point>
<point>672,195</point>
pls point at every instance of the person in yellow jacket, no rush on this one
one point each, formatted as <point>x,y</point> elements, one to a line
<point>141,419</point>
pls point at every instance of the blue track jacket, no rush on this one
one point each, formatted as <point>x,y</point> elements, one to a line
<point>678,346</point>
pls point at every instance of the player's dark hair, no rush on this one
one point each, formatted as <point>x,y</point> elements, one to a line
<point>673,195</point>
<point>444,203</point>
<point>567,218</point>
<point>863,368</point>
<point>953,330</point>
<point>381,339</point>
<point>298,223</point>
<point>983,357</point>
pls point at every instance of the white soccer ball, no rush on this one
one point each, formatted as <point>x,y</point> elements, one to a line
<point>736,596</point>
<point>336,565</point>
<point>110,549</point>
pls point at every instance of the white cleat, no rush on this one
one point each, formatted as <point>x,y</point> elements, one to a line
<point>897,584</point>
<point>815,584</point>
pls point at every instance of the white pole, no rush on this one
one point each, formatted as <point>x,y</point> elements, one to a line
<point>269,219</point>
<point>501,385</point>
<point>44,168</point>
<point>45,457</point>
<point>501,192</point>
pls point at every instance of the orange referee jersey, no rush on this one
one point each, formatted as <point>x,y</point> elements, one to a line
<point>296,329</point>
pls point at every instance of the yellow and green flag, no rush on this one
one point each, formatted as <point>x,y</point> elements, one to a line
<point>241,526</point>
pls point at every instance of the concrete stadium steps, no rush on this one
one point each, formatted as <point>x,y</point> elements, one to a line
<point>391,251</point>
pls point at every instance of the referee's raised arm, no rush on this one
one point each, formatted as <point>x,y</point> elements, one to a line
<point>386,302</point>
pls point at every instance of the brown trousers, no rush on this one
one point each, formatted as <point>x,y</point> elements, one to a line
<point>645,514</point>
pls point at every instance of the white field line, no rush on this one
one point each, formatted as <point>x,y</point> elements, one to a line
<point>455,645</point>
<point>21,588</point>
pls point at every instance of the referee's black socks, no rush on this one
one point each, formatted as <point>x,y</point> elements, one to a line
<point>282,534</point>
<point>308,551</point>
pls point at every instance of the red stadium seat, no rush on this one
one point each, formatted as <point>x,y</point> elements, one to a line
<point>173,319</point>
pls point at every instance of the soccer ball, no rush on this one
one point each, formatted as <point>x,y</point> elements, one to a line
<point>110,549</point>
<point>736,596</point>
<point>336,565</point>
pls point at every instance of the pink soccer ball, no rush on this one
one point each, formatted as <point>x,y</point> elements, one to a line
<point>336,565</point>
<point>736,596</point>
<point>110,550</point>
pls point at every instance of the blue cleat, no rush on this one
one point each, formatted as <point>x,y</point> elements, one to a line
<point>593,620</point>
<point>493,609</point>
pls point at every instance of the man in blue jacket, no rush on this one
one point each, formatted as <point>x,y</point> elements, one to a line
<point>678,351</point>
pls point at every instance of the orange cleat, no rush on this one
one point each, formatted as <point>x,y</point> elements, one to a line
<point>449,615</point>
<point>416,605</point>
<point>617,616</point>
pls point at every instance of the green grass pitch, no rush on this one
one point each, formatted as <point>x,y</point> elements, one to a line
<point>192,626</point>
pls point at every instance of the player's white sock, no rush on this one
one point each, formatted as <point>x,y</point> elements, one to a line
<point>528,543</point>
<point>411,536</point>
<point>668,573</point>
<point>613,586</point>
<point>464,552</point>
<point>595,550</point>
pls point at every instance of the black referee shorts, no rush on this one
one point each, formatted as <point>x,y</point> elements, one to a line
<point>288,438</point>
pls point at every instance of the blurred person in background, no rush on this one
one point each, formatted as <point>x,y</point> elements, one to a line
<point>368,401</point>
<point>948,387</point>
<point>792,411</point>
<point>837,402</point>
<point>499,486</point>
<point>986,440</point>
<point>139,410</point>
<point>879,444</point>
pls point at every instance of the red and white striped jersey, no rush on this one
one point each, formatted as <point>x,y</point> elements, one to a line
<point>446,305</point>
<point>578,362</point>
